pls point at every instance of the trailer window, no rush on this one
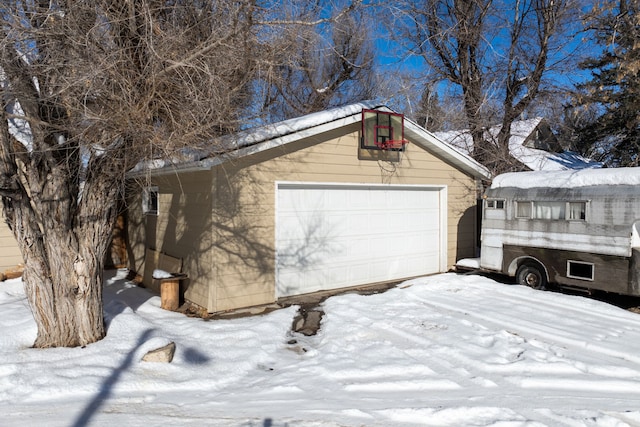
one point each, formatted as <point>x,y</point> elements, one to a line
<point>574,211</point>
<point>495,204</point>
<point>549,210</point>
<point>580,270</point>
<point>523,209</point>
<point>577,211</point>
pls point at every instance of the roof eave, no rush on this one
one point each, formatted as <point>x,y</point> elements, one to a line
<point>430,142</point>
<point>413,131</point>
<point>273,140</point>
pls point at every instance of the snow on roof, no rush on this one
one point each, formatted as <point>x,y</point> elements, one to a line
<point>270,136</point>
<point>540,160</point>
<point>429,141</point>
<point>286,127</point>
<point>533,158</point>
<point>208,155</point>
<point>568,178</point>
<point>19,128</point>
<point>459,139</point>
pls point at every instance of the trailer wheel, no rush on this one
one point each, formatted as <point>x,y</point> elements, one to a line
<point>531,275</point>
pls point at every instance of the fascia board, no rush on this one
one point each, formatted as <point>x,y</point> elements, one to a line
<point>430,142</point>
<point>282,140</point>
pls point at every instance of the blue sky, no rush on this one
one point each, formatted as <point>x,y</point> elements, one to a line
<point>392,62</point>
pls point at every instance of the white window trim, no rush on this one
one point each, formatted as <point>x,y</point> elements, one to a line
<point>532,203</point>
<point>572,261</point>
<point>586,210</point>
<point>518,202</point>
<point>495,202</point>
<point>146,195</point>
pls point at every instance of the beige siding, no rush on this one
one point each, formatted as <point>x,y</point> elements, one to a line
<point>222,222</point>
<point>181,229</point>
<point>244,205</point>
<point>243,230</point>
<point>10,255</point>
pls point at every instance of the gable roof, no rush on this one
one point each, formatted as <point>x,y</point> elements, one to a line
<point>523,147</point>
<point>279,134</point>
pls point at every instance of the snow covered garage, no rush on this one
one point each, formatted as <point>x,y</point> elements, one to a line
<point>309,204</point>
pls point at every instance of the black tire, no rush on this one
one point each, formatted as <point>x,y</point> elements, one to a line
<point>532,275</point>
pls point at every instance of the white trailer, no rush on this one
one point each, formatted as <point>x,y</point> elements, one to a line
<point>573,228</point>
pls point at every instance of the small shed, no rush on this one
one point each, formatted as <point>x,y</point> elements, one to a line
<point>307,205</point>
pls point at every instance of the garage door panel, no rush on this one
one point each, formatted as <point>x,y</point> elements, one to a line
<point>329,237</point>
<point>356,246</point>
<point>302,255</point>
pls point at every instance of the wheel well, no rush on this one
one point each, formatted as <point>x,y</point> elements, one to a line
<point>516,263</point>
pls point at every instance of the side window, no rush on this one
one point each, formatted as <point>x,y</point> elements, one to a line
<point>150,201</point>
<point>494,204</point>
<point>523,209</point>
<point>549,210</point>
<point>577,211</point>
<point>552,210</point>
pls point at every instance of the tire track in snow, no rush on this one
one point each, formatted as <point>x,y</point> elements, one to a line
<point>463,371</point>
<point>554,335</point>
<point>495,363</point>
<point>563,303</point>
<point>483,384</point>
<point>550,300</point>
<point>455,377</point>
<point>602,326</point>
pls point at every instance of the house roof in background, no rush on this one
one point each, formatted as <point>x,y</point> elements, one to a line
<point>533,158</point>
<point>279,134</point>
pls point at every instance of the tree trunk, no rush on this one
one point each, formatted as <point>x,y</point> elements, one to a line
<point>64,259</point>
<point>76,318</point>
<point>62,277</point>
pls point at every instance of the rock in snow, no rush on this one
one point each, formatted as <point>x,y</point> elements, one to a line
<point>163,354</point>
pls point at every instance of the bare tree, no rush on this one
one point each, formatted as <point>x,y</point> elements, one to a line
<point>430,114</point>
<point>320,66</point>
<point>496,53</point>
<point>89,89</point>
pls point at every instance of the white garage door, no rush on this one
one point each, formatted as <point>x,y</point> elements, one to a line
<point>335,236</point>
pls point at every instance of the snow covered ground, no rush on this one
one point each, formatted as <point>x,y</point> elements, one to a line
<point>447,350</point>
